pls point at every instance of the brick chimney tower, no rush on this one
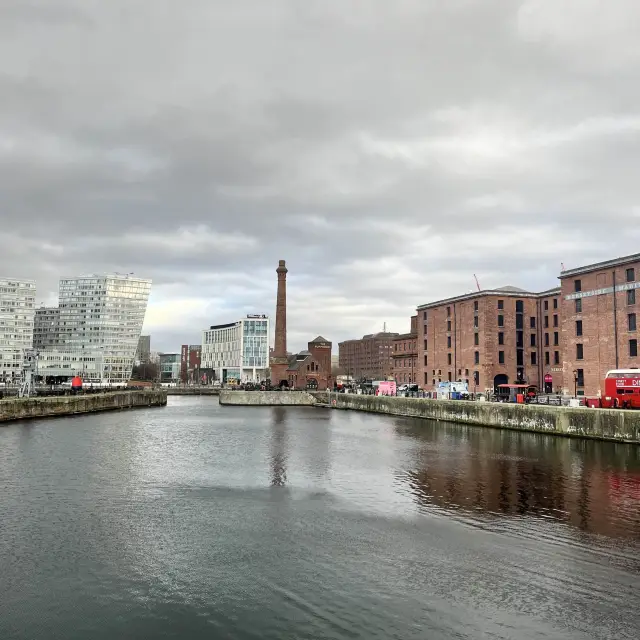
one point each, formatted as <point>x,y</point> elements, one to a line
<point>279,361</point>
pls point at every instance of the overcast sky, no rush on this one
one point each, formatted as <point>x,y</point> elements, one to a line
<point>387,149</point>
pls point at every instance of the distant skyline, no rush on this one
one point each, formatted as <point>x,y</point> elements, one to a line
<point>388,152</point>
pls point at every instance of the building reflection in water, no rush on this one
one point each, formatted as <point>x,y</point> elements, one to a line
<point>593,486</point>
<point>278,448</point>
<point>314,444</point>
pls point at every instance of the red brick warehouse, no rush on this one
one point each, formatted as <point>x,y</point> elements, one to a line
<point>492,337</point>
<point>599,324</point>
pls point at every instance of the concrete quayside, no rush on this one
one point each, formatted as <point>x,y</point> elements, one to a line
<point>267,398</point>
<point>52,406</point>
<point>192,391</point>
<point>599,424</point>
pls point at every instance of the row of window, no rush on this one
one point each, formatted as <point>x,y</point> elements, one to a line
<point>519,307</point>
<point>631,324</point>
<point>476,377</point>
<point>519,322</point>
<point>412,346</point>
<point>631,299</point>
<point>633,349</point>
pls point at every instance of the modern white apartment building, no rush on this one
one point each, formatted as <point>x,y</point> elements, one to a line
<point>238,351</point>
<point>99,322</point>
<point>17,310</point>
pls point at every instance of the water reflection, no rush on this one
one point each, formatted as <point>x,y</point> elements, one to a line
<point>278,447</point>
<point>592,486</point>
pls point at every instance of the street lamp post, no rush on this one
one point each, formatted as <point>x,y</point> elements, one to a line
<point>575,384</point>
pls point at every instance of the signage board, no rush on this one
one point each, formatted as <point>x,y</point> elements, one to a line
<point>625,383</point>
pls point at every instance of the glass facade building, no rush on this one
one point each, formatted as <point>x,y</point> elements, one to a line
<point>46,328</point>
<point>99,322</point>
<point>169,367</point>
<point>17,311</point>
<point>238,351</point>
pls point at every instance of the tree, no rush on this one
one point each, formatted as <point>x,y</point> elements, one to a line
<point>337,370</point>
<point>146,372</point>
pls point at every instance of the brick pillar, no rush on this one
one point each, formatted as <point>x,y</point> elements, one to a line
<point>280,347</point>
<point>279,362</point>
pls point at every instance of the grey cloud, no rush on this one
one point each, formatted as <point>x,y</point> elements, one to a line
<point>388,152</point>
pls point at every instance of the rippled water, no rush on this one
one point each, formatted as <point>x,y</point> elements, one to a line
<point>199,521</point>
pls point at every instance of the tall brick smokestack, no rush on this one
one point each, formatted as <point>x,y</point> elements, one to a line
<point>279,361</point>
<point>280,346</point>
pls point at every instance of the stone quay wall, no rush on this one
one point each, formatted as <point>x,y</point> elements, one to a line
<point>46,407</point>
<point>192,391</point>
<point>267,398</point>
<point>600,424</point>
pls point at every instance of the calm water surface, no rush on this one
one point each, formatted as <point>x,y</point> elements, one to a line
<point>199,521</point>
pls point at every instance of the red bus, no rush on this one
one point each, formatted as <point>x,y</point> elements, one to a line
<point>621,390</point>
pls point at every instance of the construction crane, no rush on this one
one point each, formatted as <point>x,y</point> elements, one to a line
<point>477,283</point>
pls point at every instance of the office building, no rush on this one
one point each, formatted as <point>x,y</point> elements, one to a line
<point>237,351</point>
<point>169,367</point>
<point>17,311</point>
<point>99,323</point>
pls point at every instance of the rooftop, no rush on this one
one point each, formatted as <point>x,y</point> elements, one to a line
<point>224,326</point>
<point>406,336</point>
<point>509,290</point>
<point>597,266</point>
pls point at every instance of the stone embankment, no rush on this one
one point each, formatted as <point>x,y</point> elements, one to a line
<point>192,391</point>
<point>45,407</point>
<point>267,398</point>
<point>601,424</point>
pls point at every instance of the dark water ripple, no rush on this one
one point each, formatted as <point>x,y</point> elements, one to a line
<point>197,521</point>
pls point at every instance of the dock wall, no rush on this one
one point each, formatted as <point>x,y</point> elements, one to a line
<point>192,391</point>
<point>267,398</point>
<point>602,424</point>
<point>45,407</point>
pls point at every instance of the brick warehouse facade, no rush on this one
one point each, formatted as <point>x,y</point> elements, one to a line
<point>190,363</point>
<point>404,355</point>
<point>500,336</point>
<point>562,340</point>
<point>369,357</point>
<point>311,369</point>
<point>599,324</point>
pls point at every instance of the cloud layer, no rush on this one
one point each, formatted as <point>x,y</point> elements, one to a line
<point>387,150</point>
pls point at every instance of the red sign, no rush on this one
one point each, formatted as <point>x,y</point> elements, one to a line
<point>548,377</point>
